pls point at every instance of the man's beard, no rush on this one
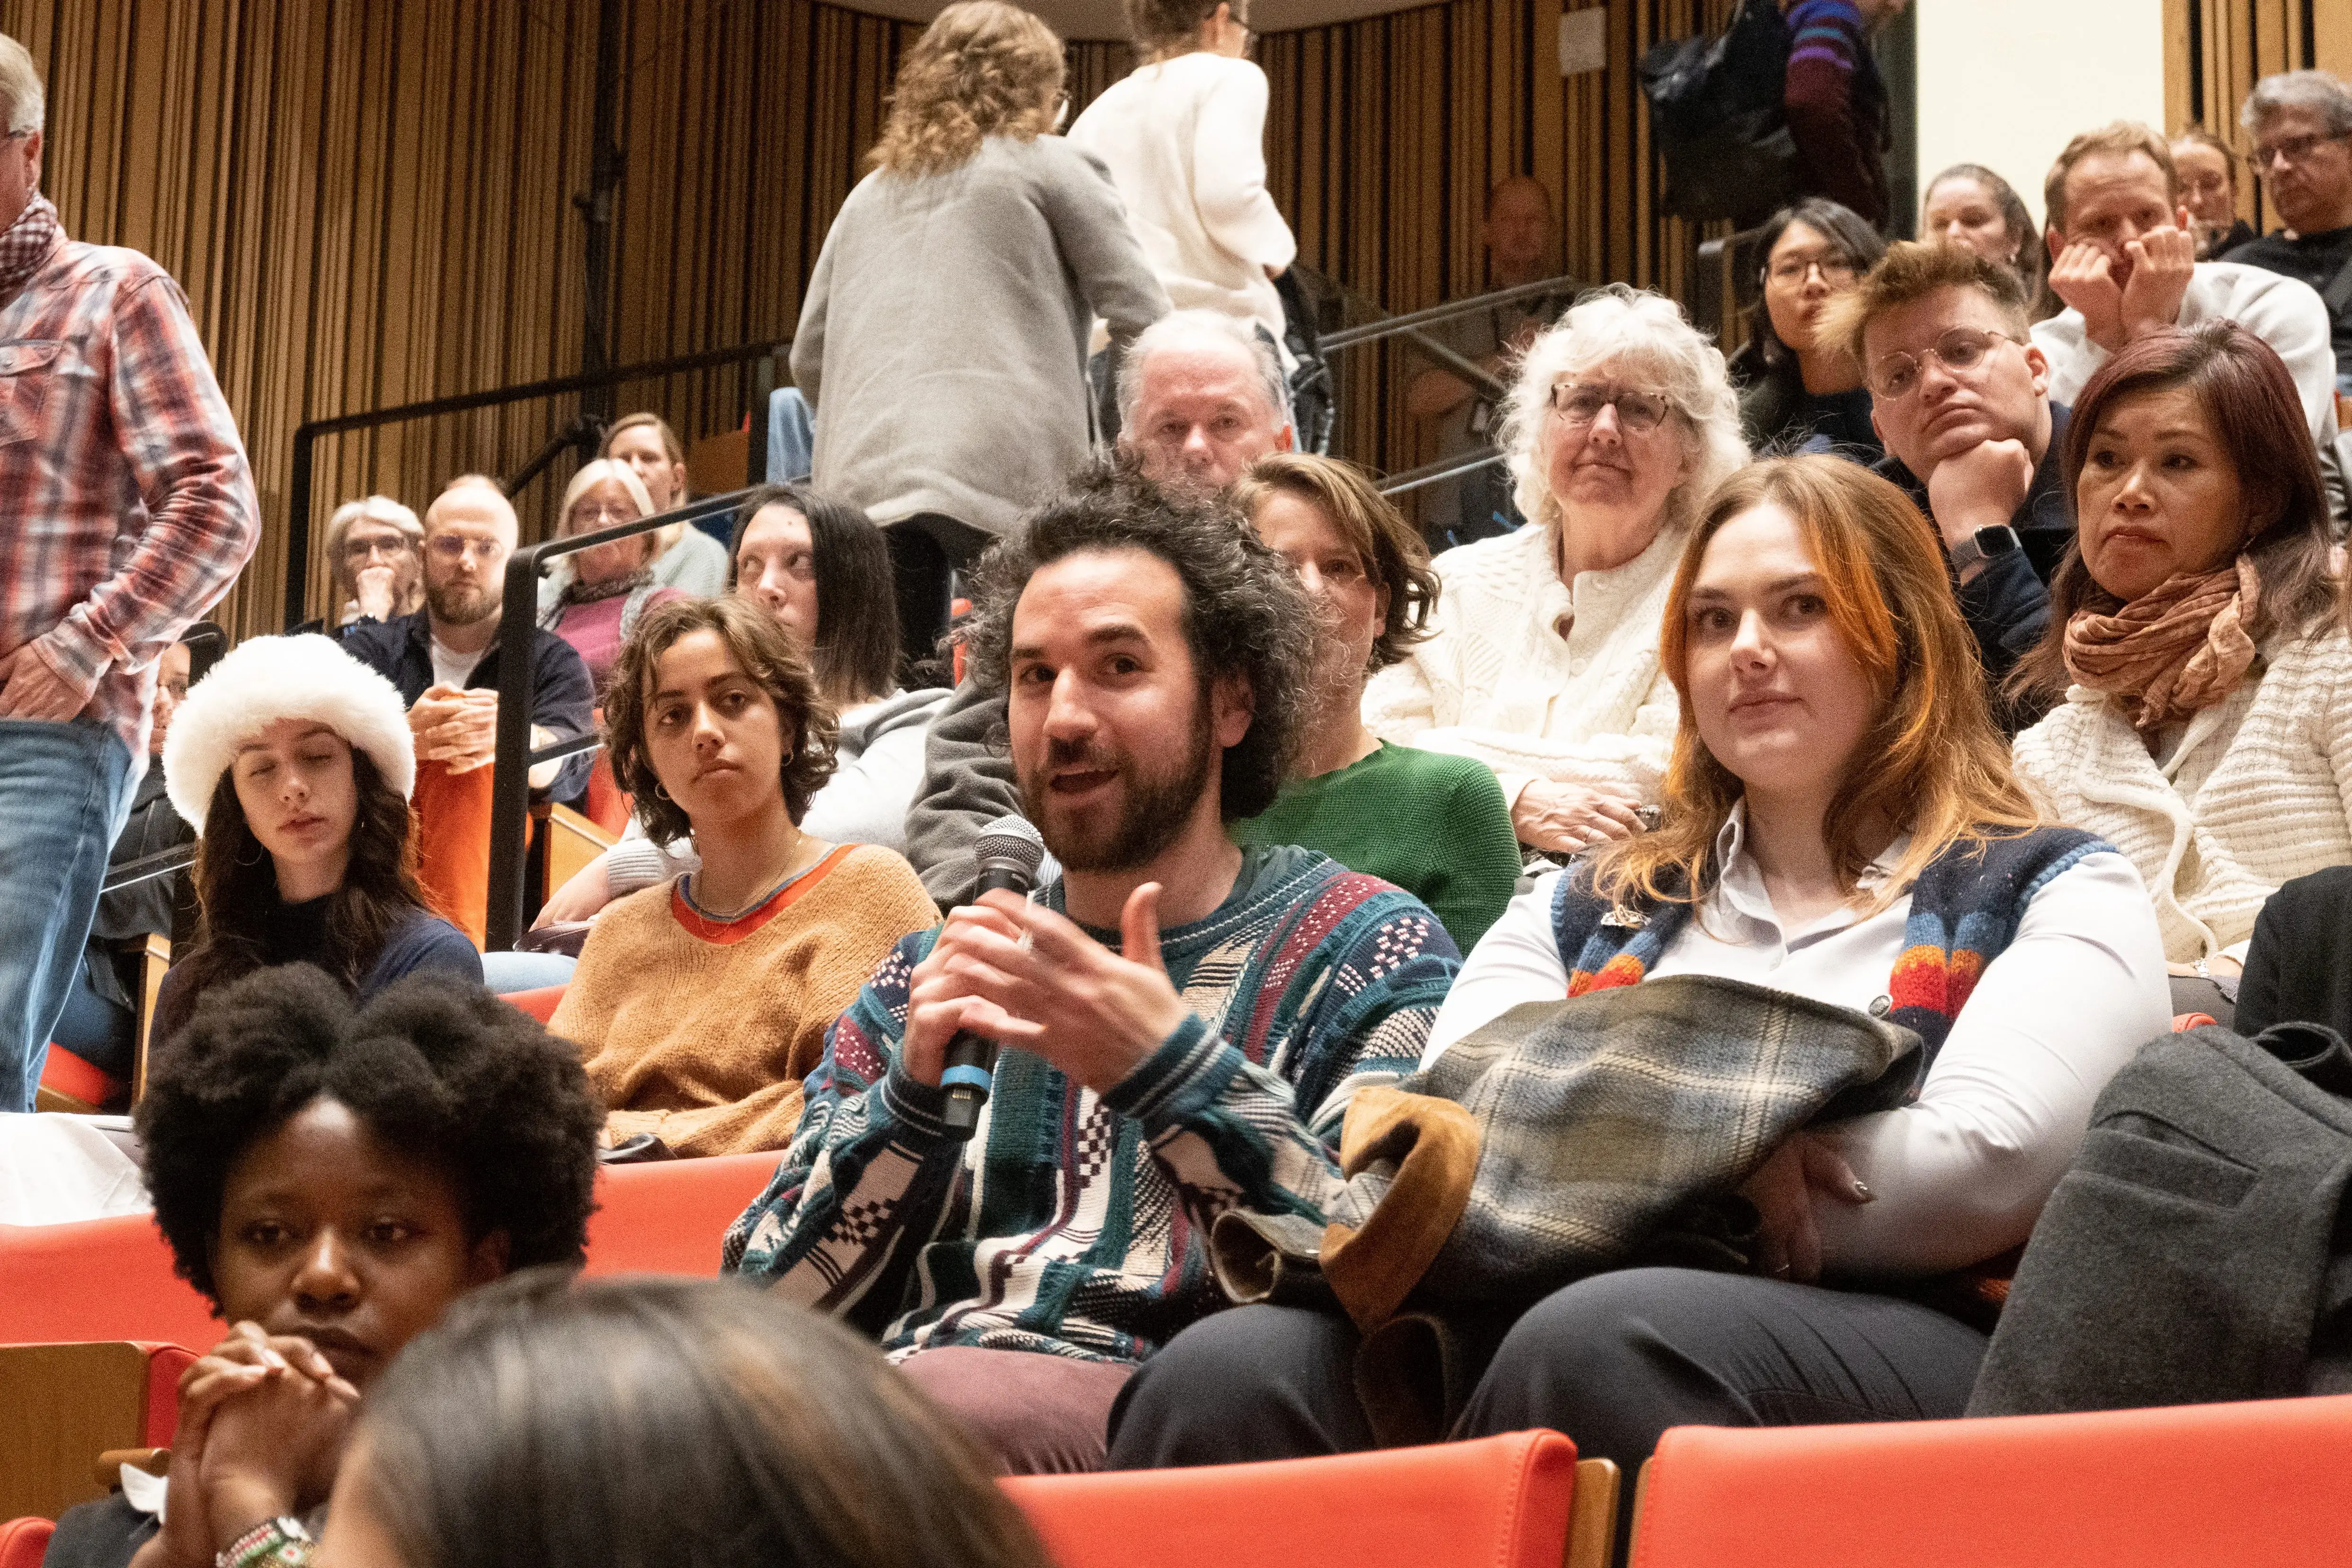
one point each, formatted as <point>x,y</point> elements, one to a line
<point>459,604</point>
<point>1157,806</point>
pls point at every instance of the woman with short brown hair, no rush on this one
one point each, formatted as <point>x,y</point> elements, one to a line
<point>701,1003</point>
<point>942,339</point>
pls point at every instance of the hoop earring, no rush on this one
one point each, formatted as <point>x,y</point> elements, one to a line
<point>659,792</point>
<point>258,852</point>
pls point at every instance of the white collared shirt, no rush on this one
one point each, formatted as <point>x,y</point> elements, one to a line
<point>1961,1173</point>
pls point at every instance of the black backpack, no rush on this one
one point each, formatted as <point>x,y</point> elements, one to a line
<point>1715,112</point>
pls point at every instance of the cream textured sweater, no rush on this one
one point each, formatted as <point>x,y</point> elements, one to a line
<point>1498,682</point>
<point>700,1032</point>
<point>2258,792</point>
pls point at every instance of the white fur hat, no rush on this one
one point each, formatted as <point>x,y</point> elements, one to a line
<point>265,679</point>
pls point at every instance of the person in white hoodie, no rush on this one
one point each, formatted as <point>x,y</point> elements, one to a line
<point>822,570</point>
<point>1184,137</point>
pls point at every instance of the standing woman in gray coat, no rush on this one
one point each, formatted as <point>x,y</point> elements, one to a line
<point>942,342</point>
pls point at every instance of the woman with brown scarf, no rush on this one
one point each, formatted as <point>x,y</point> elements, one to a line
<point>2198,636</point>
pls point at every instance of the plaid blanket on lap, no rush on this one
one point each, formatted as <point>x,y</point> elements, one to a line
<point>1566,1138</point>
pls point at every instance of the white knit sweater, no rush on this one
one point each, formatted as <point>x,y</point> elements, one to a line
<point>1497,681</point>
<point>2258,792</point>
<point>1185,143</point>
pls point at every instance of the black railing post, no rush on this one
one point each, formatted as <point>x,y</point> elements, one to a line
<point>511,783</point>
<point>298,531</point>
<point>763,391</point>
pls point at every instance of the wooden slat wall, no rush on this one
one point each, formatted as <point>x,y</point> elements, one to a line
<point>2215,50</point>
<point>370,201</point>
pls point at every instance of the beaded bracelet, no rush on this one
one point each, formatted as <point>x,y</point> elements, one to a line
<point>281,1543</point>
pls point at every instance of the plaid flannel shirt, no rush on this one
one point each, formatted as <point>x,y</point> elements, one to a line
<point>127,507</point>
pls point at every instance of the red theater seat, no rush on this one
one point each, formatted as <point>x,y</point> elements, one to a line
<point>539,1004</point>
<point>112,1280</point>
<point>1499,1502</point>
<point>2265,1485</point>
<point>25,1542</point>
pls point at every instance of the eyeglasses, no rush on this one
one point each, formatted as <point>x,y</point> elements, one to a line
<point>2293,150</point>
<point>588,513</point>
<point>1788,272</point>
<point>448,547</point>
<point>1580,403</point>
<point>1961,350</point>
<point>357,549</point>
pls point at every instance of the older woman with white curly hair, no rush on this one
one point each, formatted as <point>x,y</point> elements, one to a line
<point>1542,660</point>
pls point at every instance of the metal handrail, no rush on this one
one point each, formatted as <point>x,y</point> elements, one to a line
<point>147,867</point>
<point>298,509</point>
<point>1443,468</point>
<point>510,777</point>
<point>1348,337</point>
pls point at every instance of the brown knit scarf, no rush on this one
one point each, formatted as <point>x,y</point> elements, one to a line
<point>2180,647</point>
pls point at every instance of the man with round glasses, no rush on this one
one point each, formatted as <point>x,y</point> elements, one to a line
<point>1959,394</point>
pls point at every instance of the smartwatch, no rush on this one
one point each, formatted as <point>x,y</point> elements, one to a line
<point>1984,544</point>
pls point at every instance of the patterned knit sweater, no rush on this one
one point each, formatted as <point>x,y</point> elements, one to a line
<point>700,1031</point>
<point>1965,908</point>
<point>2257,792</point>
<point>1498,680</point>
<point>1071,1224</point>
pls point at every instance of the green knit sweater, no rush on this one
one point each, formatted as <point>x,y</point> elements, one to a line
<point>1436,826</point>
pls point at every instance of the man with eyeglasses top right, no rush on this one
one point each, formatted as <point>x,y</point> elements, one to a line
<point>1960,394</point>
<point>2301,122</point>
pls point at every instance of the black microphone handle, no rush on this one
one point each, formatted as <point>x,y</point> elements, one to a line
<point>968,1069</point>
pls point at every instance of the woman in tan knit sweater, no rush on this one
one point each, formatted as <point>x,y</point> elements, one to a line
<point>700,1004</point>
<point>2196,639</point>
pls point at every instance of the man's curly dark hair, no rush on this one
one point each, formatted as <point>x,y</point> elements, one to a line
<point>444,1073</point>
<point>1244,613</point>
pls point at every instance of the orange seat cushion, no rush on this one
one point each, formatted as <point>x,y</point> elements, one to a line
<point>25,1542</point>
<point>539,1004</point>
<point>453,845</point>
<point>68,1074</point>
<point>2265,1485</point>
<point>1499,1502</point>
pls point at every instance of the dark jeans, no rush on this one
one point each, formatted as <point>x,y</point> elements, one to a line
<point>926,553</point>
<point>1611,1361</point>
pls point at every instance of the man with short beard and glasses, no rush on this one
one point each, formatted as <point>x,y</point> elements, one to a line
<point>1199,400</point>
<point>1184,1022</point>
<point>444,656</point>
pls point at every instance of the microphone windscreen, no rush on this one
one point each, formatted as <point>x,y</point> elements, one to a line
<point>1010,844</point>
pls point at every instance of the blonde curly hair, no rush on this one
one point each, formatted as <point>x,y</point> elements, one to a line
<point>984,69</point>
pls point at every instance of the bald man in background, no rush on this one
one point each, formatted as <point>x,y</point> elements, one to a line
<point>1518,235</point>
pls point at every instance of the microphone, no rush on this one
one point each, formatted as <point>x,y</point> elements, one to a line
<point>1009,851</point>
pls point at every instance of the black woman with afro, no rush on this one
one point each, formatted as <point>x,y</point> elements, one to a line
<point>332,1175</point>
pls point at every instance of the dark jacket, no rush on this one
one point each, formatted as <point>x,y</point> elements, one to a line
<point>564,700</point>
<point>2195,1252</point>
<point>2007,605</point>
<point>967,784</point>
<point>2299,968</point>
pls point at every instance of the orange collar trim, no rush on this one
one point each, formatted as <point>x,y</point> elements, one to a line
<point>726,933</point>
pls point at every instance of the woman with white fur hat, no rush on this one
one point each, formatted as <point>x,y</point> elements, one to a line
<point>294,764</point>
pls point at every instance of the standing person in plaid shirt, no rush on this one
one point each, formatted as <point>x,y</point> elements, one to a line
<point>1185,1021</point>
<point>126,509</point>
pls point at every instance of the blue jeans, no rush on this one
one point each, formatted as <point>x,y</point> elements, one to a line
<point>64,790</point>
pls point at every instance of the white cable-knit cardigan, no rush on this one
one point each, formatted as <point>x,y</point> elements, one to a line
<point>2258,790</point>
<point>1496,681</point>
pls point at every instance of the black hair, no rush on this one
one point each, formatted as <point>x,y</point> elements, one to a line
<point>443,1072</point>
<point>669,1423</point>
<point>856,651</point>
<point>1846,230</point>
<point>1244,613</point>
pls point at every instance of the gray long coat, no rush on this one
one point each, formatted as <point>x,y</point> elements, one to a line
<point>943,339</point>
